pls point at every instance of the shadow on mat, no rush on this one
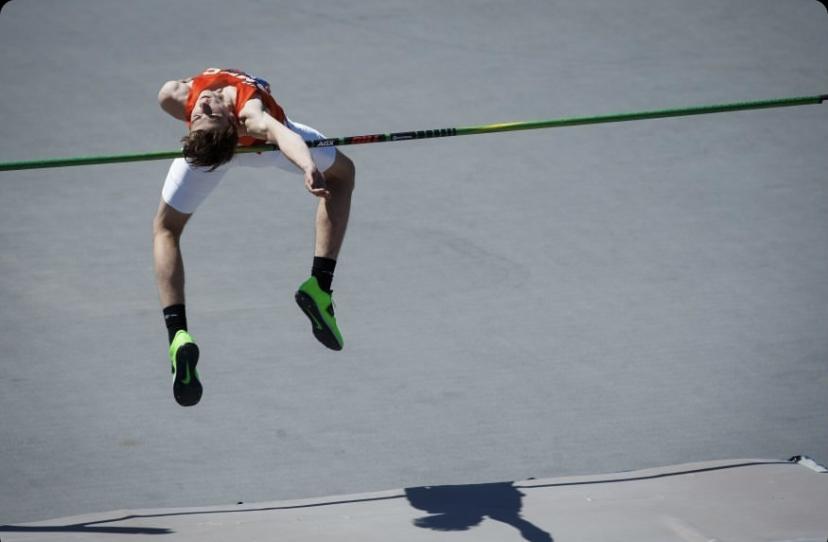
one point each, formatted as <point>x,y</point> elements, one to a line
<point>82,528</point>
<point>459,508</point>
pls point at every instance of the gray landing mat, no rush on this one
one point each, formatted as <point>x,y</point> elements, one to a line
<point>738,500</point>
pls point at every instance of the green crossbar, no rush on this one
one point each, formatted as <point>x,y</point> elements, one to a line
<point>440,132</point>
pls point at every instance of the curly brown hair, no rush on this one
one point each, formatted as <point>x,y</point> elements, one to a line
<point>211,148</point>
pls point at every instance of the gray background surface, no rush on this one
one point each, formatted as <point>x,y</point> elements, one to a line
<point>570,301</point>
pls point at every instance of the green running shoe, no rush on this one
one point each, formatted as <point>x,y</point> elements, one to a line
<point>317,305</point>
<point>184,357</point>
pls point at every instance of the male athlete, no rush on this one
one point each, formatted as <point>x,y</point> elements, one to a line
<point>225,108</point>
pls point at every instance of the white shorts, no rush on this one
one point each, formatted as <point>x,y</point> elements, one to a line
<point>187,186</point>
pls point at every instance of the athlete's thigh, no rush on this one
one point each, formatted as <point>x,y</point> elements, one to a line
<point>169,219</point>
<point>186,187</point>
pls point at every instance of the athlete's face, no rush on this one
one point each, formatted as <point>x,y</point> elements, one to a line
<point>210,112</point>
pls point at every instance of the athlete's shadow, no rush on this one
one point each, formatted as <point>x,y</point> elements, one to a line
<point>459,508</point>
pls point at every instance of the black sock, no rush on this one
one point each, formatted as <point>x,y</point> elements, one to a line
<point>323,270</point>
<point>176,318</point>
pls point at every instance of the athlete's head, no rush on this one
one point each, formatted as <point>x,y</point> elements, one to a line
<point>213,132</point>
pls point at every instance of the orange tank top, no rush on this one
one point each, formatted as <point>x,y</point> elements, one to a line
<point>247,86</point>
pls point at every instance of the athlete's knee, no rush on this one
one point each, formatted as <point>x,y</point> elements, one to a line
<point>348,167</point>
<point>342,173</point>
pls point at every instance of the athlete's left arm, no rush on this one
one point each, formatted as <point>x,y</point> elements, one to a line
<point>260,124</point>
<point>173,98</point>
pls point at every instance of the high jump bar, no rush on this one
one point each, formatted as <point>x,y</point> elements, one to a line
<point>441,132</point>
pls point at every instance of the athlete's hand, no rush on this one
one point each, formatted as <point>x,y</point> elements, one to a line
<point>315,183</point>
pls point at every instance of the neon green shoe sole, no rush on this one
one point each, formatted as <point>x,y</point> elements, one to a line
<point>187,389</point>
<point>317,305</point>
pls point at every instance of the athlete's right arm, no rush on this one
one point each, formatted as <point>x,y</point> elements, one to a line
<point>173,97</point>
